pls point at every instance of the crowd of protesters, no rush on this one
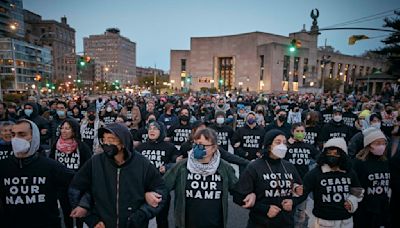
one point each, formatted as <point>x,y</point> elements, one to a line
<point>112,160</point>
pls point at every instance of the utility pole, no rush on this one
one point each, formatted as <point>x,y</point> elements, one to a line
<point>155,78</point>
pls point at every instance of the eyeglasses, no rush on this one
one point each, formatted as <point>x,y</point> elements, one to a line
<point>103,141</point>
<point>201,146</point>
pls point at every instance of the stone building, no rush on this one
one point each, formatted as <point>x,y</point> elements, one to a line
<point>116,54</point>
<point>57,35</point>
<point>263,62</point>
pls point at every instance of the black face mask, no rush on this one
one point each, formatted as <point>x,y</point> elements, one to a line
<point>110,150</point>
<point>92,117</point>
<point>221,105</point>
<point>184,118</point>
<point>332,161</point>
<point>282,118</point>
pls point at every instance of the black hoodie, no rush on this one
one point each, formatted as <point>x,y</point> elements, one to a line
<point>40,121</point>
<point>77,158</point>
<point>118,190</point>
<point>159,152</point>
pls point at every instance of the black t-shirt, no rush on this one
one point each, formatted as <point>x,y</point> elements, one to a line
<point>5,151</point>
<point>272,181</point>
<point>224,135</point>
<point>240,122</point>
<point>204,201</point>
<point>349,118</point>
<point>335,130</point>
<point>109,118</point>
<point>71,161</point>
<point>387,124</point>
<point>159,154</point>
<point>300,154</point>
<point>331,190</point>
<point>179,133</point>
<point>141,135</point>
<point>312,134</point>
<point>374,176</point>
<point>88,135</point>
<point>327,115</point>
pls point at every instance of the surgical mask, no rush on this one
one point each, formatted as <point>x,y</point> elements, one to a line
<point>110,150</point>
<point>199,151</point>
<point>20,146</point>
<point>337,118</point>
<point>279,150</point>
<point>251,121</point>
<point>28,112</point>
<point>299,136</point>
<point>60,113</point>
<point>378,150</point>
<point>108,109</point>
<point>220,120</point>
<point>376,125</point>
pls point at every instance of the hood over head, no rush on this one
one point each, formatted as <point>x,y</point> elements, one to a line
<point>121,131</point>
<point>35,109</point>
<point>35,143</point>
<point>160,127</point>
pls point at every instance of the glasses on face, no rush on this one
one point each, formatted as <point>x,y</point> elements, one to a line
<point>202,146</point>
<point>113,141</point>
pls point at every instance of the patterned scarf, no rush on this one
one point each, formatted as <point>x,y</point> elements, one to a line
<point>194,166</point>
<point>66,145</point>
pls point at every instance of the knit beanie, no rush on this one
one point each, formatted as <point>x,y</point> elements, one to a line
<point>371,134</point>
<point>336,142</point>
<point>270,135</point>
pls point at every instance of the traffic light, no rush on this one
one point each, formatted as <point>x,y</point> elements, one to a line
<point>294,45</point>
<point>83,60</point>
<point>221,81</point>
<point>47,85</point>
<point>38,77</point>
<point>188,80</point>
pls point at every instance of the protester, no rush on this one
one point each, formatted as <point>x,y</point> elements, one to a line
<point>205,206</point>
<point>372,168</point>
<point>274,181</point>
<point>29,183</point>
<point>106,174</point>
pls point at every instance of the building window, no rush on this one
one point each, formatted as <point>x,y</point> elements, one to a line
<point>305,70</point>
<point>367,71</point>
<point>225,66</point>
<point>286,67</point>
<point>361,71</point>
<point>339,71</point>
<point>296,69</point>
<point>346,73</point>
<point>331,69</point>
<point>261,67</point>
<point>183,65</point>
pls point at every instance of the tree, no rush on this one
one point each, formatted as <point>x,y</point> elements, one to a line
<point>332,85</point>
<point>392,44</point>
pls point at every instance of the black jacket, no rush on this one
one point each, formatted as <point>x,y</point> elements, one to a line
<point>40,121</point>
<point>118,191</point>
<point>43,178</point>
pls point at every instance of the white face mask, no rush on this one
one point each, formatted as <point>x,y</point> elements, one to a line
<point>20,146</point>
<point>376,125</point>
<point>108,109</point>
<point>337,118</point>
<point>220,120</point>
<point>279,150</point>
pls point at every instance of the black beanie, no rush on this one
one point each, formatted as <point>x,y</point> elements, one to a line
<point>270,135</point>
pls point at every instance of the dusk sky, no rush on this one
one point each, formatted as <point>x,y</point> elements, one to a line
<point>157,26</point>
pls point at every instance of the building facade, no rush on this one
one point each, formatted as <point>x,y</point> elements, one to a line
<point>11,19</point>
<point>115,53</point>
<point>263,62</point>
<point>57,35</point>
<point>148,71</point>
<point>21,62</point>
